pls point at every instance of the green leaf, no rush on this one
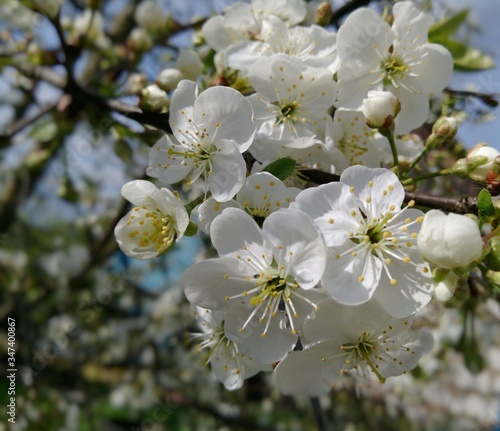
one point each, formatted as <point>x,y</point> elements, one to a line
<point>447,26</point>
<point>465,58</point>
<point>191,229</point>
<point>281,168</point>
<point>485,205</point>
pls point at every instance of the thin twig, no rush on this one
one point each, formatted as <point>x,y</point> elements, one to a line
<point>319,414</point>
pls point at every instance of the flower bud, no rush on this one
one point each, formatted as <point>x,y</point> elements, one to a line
<point>136,82</point>
<point>139,40</point>
<point>449,241</point>
<point>168,79</point>
<point>483,164</point>
<point>380,109</point>
<point>190,64</point>
<point>445,288</point>
<point>153,98</point>
<point>150,15</point>
<point>323,14</point>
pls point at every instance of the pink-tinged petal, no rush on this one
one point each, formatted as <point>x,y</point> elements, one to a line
<point>351,280</point>
<point>377,191</point>
<point>297,245</point>
<point>306,373</point>
<point>209,283</point>
<point>328,206</point>
<point>276,343</point>
<point>228,171</point>
<point>234,233</point>
<point>225,114</point>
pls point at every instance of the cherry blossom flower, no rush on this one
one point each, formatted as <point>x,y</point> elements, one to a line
<point>158,220</point>
<point>210,131</point>
<point>229,366</point>
<point>358,340</point>
<point>291,100</point>
<point>264,278</point>
<point>314,45</point>
<point>243,20</point>
<point>361,145</point>
<point>375,56</point>
<point>261,195</point>
<point>371,240</point>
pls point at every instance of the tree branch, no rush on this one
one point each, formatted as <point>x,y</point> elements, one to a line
<point>460,205</point>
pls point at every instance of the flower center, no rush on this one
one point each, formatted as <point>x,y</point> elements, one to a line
<point>288,112</point>
<point>153,228</point>
<point>362,351</point>
<point>394,69</point>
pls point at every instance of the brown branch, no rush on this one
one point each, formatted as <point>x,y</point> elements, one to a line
<point>346,9</point>
<point>80,95</point>
<point>460,205</point>
<point>487,98</point>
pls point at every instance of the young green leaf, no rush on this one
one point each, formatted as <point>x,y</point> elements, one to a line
<point>281,168</point>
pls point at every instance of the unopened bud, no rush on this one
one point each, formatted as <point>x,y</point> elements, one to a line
<point>168,79</point>
<point>153,98</point>
<point>323,14</point>
<point>136,82</point>
<point>380,109</point>
<point>139,40</point>
<point>483,164</point>
<point>150,15</point>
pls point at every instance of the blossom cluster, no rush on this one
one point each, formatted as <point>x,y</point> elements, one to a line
<point>310,283</point>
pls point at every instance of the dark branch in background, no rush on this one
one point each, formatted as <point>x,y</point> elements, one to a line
<point>24,122</point>
<point>487,98</point>
<point>319,414</point>
<point>346,9</point>
<point>80,95</point>
<point>461,205</point>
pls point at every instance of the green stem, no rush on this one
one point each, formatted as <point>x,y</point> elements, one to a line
<point>388,132</point>
<point>424,152</point>
<point>415,180</point>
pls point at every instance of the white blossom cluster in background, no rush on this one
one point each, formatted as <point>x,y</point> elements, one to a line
<point>310,283</point>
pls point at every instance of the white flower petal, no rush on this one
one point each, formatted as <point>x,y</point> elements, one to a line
<point>208,283</point>
<point>276,343</point>
<point>228,171</point>
<point>304,373</point>
<point>234,233</point>
<point>297,244</point>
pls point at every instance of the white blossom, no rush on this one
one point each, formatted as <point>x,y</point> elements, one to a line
<point>261,195</point>
<point>158,220</point>
<point>375,56</point>
<point>291,100</point>
<point>371,240</point>
<point>449,240</point>
<point>314,45</point>
<point>210,131</point>
<point>259,272</point>
<point>358,340</point>
<point>228,364</point>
